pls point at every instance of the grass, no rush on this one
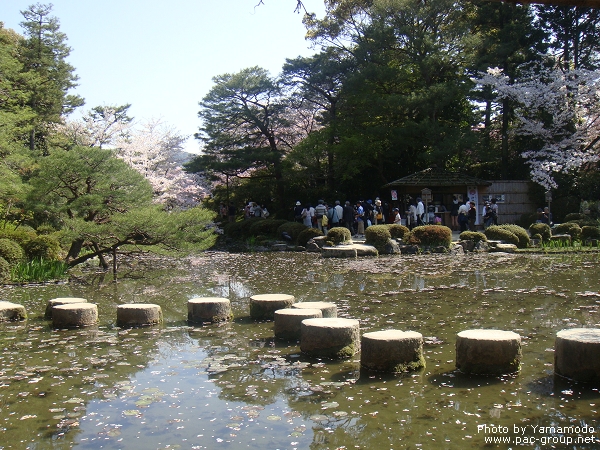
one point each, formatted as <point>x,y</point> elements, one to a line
<point>38,270</point>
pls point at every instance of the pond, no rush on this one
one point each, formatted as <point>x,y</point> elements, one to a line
<point>234,386</point>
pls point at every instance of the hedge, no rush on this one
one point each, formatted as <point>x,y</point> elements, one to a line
<point>543,229</point>
<point>11,251</point>
<point>398,231</point>
<point>378,236</point>
<point>498,233</point>
<point>472,236</point>
<point>431,235</point>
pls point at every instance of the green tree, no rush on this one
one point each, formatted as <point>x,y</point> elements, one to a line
<point>44,54</point>
<point>244,128</point>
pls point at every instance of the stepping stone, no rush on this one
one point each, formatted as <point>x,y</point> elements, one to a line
<point>11,312</point>
<point>138,314</point>
<point>74,315</point>
<point>488,352</point>
<point>287,322</point>
<point>392,351</point>
<point>577,354</point>
<point>61,301</point>
<point>209,309</point>
<point>328,309</point>
<point>333,338</point>
<point>263,306</point>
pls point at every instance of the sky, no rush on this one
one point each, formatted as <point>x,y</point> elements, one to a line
<point>161,56</point>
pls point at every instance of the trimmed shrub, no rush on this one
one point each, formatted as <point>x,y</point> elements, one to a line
<point>307,234</point>
<point>497,233</point>
<point>588,232</point>
<point>398,231</point>
<point>338,235</point>
<point>43,247</point>
<point>472,236</point>
<point>377,236</point>
<point>292,228</point>
<point>520,232</point>
<point>585,222</point>
<point>240,229</point>
<point>266,227</point>
<point>543,229</point>
<point>4,270</point>
<point>575,216</point>
<point>537,236</point>
<point>21,235</point>
<point>431,235</point>
<point>11,251</point>
<point>570,228</point>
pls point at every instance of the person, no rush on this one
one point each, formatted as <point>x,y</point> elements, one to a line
<point>264,213</point>
<point>307,215</point>
<point>454,213</point>
<point>420,212</point>
<point>378,217</point>
<point>248,211</point>
<point>360,219</point>
<point>256,209</point>
<point>472,214</point>
<point>487,215</point>
<point>320,211</point>
<point>368,213</point>
<point>348,217</point>
<point>494,208</point>
<point>397,218</point>
<point>298,212</point>
<point>412,214</point>
<point>463,216</point>
<point>335,215</point>
<point>547,216</point>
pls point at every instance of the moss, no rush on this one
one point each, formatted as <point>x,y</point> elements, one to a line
<point>410,366</point>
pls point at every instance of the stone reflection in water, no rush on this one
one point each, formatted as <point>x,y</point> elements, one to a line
<point>233,385</point>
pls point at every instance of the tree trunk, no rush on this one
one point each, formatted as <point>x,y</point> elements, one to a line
<point>74,251</point>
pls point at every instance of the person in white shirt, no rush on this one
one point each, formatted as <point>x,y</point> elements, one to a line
<point>397,218</point>
<point>420,212</point>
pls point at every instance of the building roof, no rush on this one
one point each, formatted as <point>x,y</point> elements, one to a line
<point>438,177</point>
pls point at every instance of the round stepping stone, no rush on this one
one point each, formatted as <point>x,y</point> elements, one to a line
<point>74,315</point>
<point>61,301</point>
<point>263,306</point>
<point>330,337</point>
<point>577,354</point>
<point>392,351</point>
<point>287,321</point>
<point>209,309</point>
<point>11,312</point>
<point>488,352</point>
<point>328,309</point>
<point>138,314</point>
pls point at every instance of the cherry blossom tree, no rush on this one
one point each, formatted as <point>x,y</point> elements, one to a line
<point>560,111</point>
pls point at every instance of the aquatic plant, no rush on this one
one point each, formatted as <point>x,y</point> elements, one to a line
<point>39,269</point>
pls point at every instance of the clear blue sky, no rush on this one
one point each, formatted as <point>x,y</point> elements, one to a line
<point>161,55</point>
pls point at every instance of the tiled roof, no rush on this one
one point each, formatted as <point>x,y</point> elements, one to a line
<point>438,177</point>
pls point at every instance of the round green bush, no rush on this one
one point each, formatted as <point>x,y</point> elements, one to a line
<point>537,236</point>
<point>520,232</point>
<point>570,228</point>
<point>498,233</point>
<point>431,235</point>
<point>398,231</point>
<point>378,236</point>
<point>307,234</point>
<point>543,229</point>
<point>574,216</point>
<point>472,236</point>
<point>4,270</point>
<point>43,247</point>
<point>11,251</point>
<point>20,235</point>
<point>265,227</point>
<point>241,228</point>
<point>293,229</point>
<point>588,232</point>
<point>338,235</point>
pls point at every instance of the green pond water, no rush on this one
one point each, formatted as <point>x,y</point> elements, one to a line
<point>233,386</point>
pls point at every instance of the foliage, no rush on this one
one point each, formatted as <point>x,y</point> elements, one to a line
<point>574,216</point>
<point>589,232</point>
<point>338,235</point>
<point>541,229</point>
<point>266,227</point>
<point>21,235</point>
<point>431,235</point>
<point>45,247</point>
<point>397,231</point>
<point>570,228</point>
<point>241,229</point>
<point>473,236</point>
<point>307,234</point>
<point>11,251</point>
<point>293,229</point>
<point>4,270</point>
<point>38,270</point>
<point>520,232</point>
<point>498,233</point>
<point>377,235</point>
